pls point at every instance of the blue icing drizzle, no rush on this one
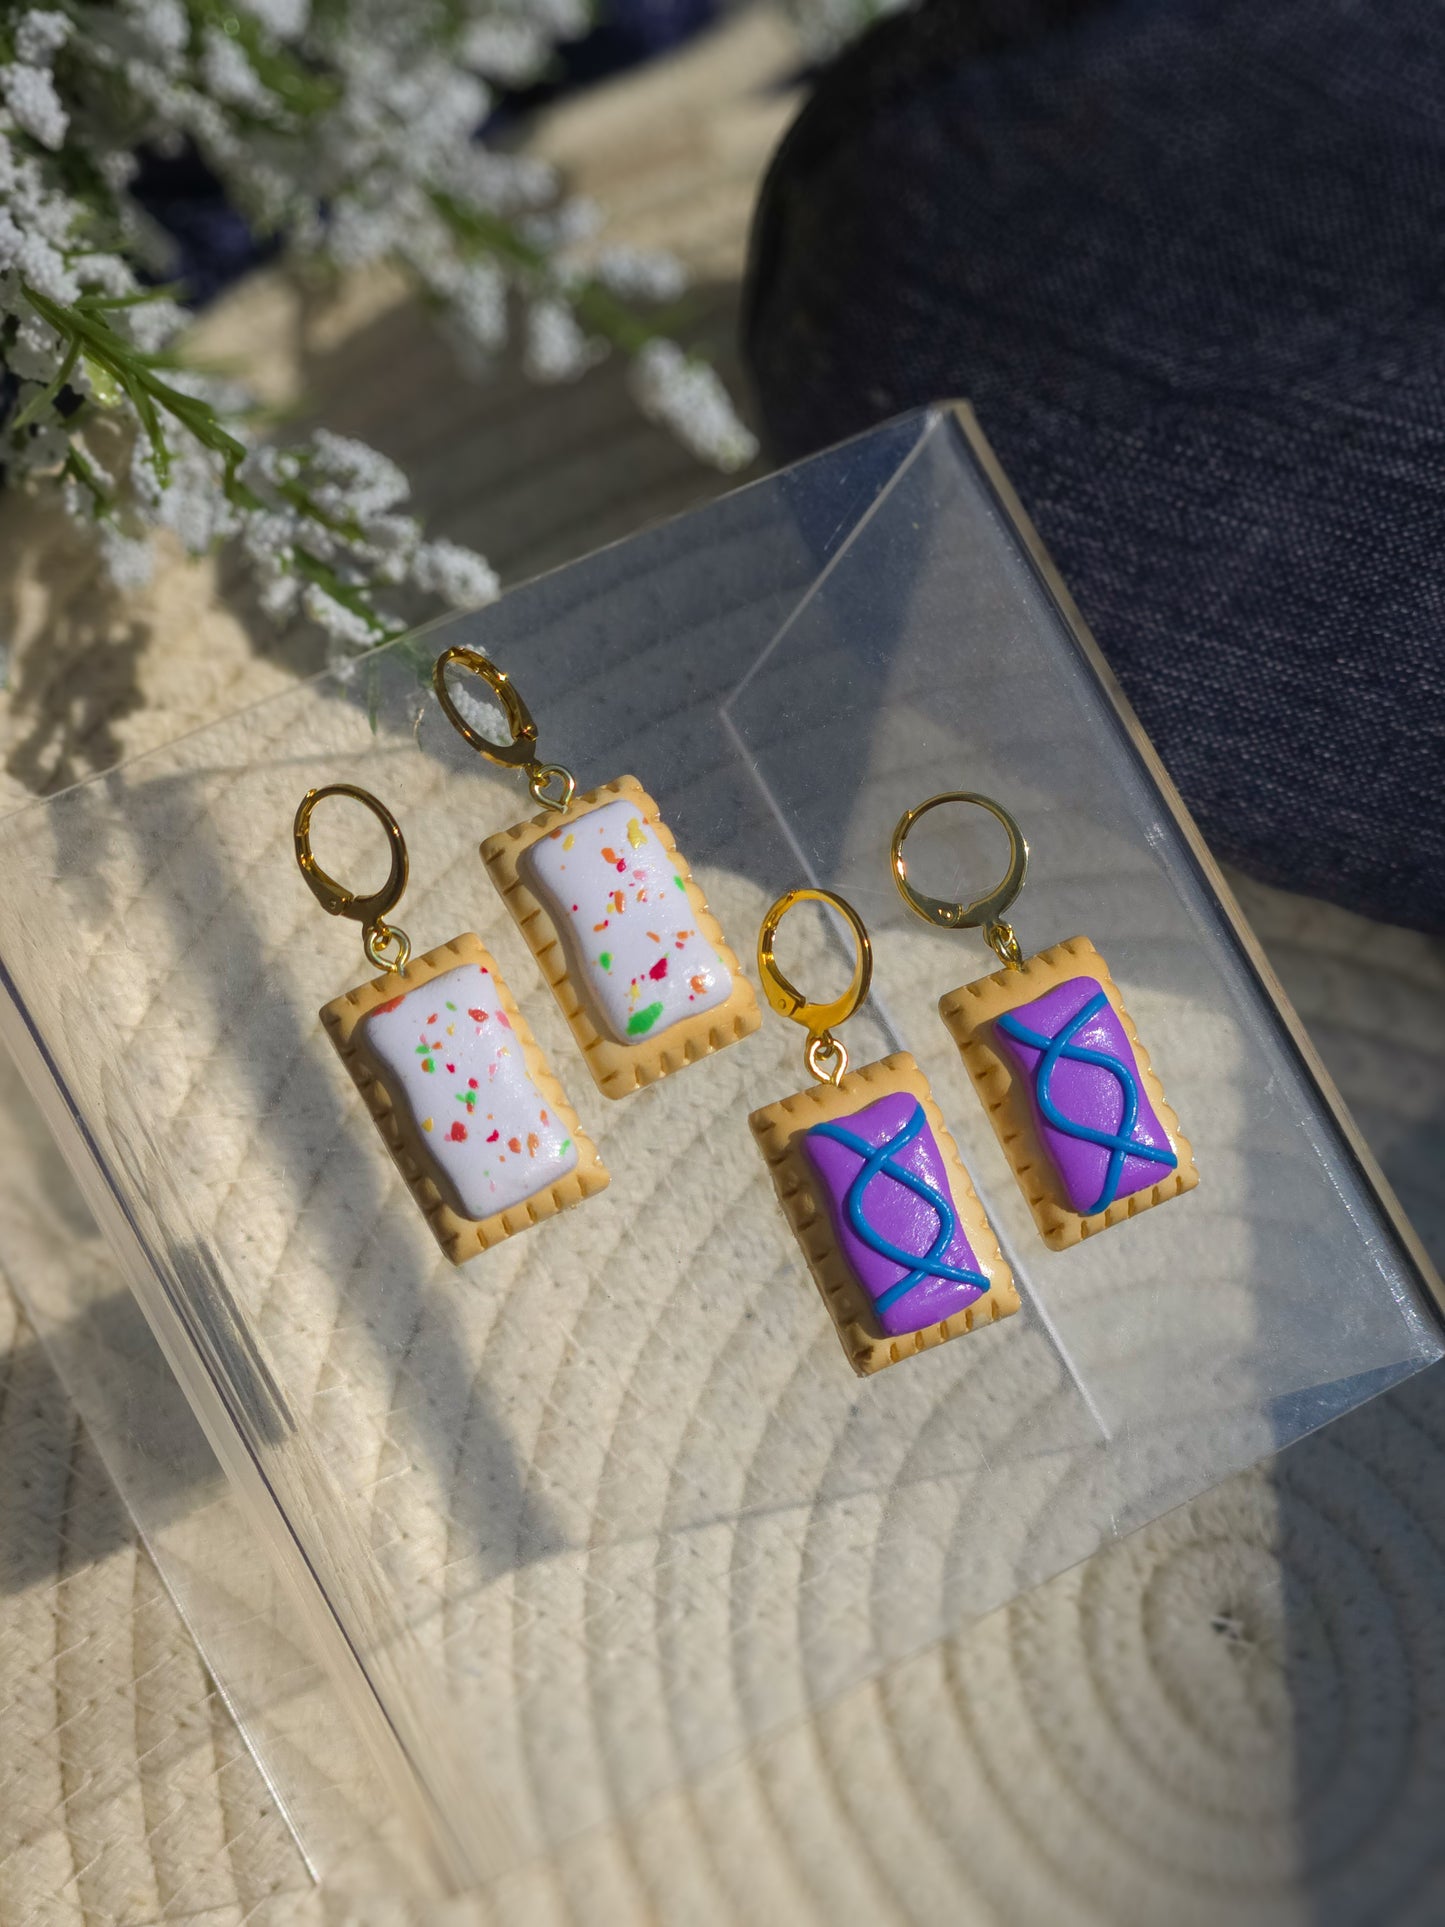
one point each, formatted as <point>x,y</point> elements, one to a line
<point>879,1161</point>
<point>1120,1144</point>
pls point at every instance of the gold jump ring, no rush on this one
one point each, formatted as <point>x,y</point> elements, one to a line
<point>986,910</point>
<point>335,899</point>
<point>785,997</point>
<point>551,785</point>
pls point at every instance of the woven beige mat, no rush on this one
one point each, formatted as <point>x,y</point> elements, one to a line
<point>1236,1715</point>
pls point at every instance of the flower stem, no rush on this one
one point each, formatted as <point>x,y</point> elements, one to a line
<point>88,331</point>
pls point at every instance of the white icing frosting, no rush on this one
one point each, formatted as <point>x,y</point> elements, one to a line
<point>449,1057</point>
<point>618,900</point>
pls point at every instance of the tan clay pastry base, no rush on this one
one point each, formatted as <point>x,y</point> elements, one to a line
<point>969,1013</point>
<point>618,1069</point>
<point>459,1237</point>
<point>779,1129</point>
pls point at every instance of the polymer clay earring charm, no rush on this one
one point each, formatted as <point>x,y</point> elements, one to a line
<point>467,1105</point>
<point>872,1183</point>
<point>1054,1056</point>
<point>598,887</point>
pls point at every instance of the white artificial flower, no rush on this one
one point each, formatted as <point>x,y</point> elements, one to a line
<point>353,131</point>
<point>268,537</point>
<point>282,19</point>
<point>562,227</point>
<point>229,74</point>
<point>44,267</point>
<point>267,465</point>
<point>511,52</point>
<point>279,596</point>
<point>482,712</point>
<point>155,324</point>
<point>189,502</point>
<point>29,93</point>
<point>35,352</point>
<point>129,562</point>
<point>641,273</point>
<point>388,548</point>
<point>145,476</point>
<point>392,534</point>
<point>459,576</point>
<point>39,36</point>
<point>358,232</point>
<point>336,619</point>
<point>108,274</point>
<point>557,349</point>
<point>354,479</point>
<point>506,184</point>
<point>479,304</point>
<point>162,26</point>
<point>688,398</point>
<point>118,168</point>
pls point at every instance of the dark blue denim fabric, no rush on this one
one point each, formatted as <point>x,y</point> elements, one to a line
<point>1187,259</point>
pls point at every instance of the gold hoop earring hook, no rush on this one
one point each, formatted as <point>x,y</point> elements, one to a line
<point>827,1057</point>
<point>551,785</point>
<point>986,911</point>
<point>378,937</point>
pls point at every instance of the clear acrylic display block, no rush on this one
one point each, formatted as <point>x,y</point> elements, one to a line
<point>554,1534</point>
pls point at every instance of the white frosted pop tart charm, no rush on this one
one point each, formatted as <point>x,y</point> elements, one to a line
<point>466,1102</point>
<point>477,1124</point>
<point>623,935</point>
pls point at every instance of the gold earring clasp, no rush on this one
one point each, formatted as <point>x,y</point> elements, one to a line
<point>551,785</point>
<point>826,1055</point>
<point>987,910</point>
<point>378,937</point>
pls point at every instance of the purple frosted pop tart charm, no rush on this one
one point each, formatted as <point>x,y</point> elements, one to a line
<point>1092,1112</point>
<point>1072,1097</point>
<point>887,1193</point>
<point>1077,1106</point>
<point>885,1212</point>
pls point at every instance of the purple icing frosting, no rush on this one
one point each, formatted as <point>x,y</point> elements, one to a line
<point>1094,1118</point>
<point>887,1191</point>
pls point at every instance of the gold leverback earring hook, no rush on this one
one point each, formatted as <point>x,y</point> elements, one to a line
<point>520,751</point>
<point>986,910</point>
<point>377,936</point>
<point>824,1049</point>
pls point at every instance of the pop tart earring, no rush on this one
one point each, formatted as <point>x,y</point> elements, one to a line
<point>598,887</point>
<point>467,1105</point>
<point>1055,1058</point>
<point>871,1181</point>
